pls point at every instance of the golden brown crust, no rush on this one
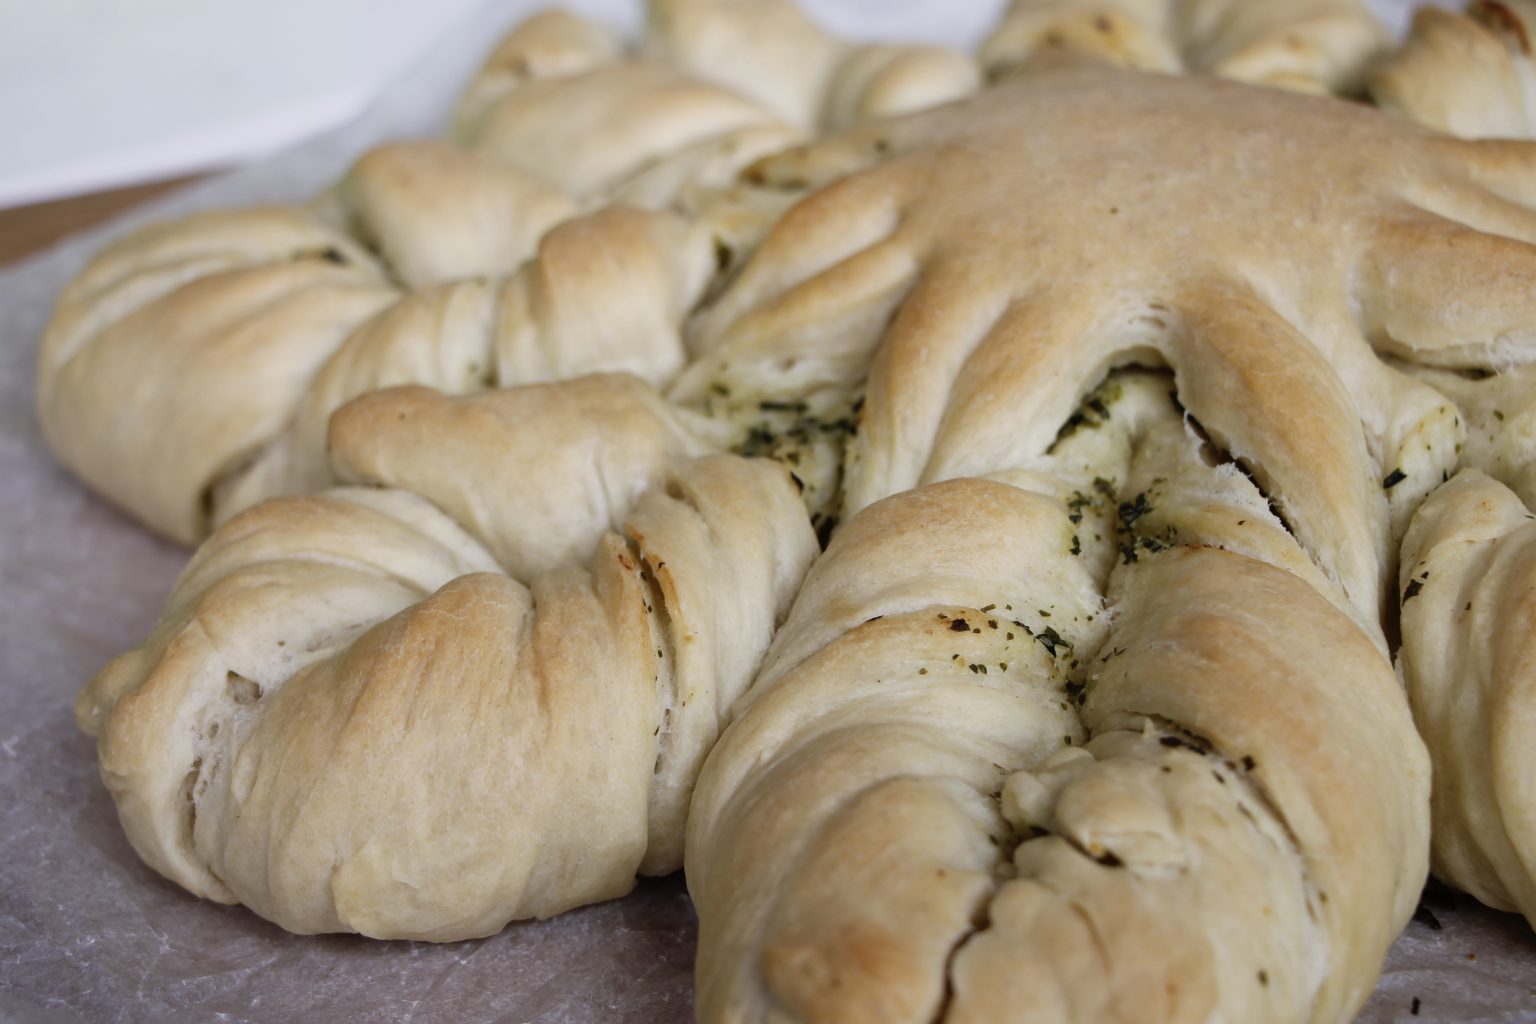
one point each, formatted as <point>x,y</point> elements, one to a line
<point>288,328</point>
<point>245,333</point>
<point>1317,46</point>
<point>551,44</point>
<point>276,317</point>
<point>351,718</point>
<point>901,824</point>
<point>572,458</point>
<point>435,212</point>
<point>1073,262</point>
<point>770,51</point>
<point>587,133</point>
<point>1468,595</point>
<point>1174,782</point>
<point>1468,73</point>
<point>998,290</point>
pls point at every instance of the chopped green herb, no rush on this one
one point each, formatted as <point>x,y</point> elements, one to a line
<point>1130,511</point>
<point>1052,641</point>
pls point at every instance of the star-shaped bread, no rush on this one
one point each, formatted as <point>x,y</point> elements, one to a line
<point>1114,394</point>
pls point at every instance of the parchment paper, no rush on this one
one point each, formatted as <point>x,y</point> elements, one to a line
<point>87,933</point>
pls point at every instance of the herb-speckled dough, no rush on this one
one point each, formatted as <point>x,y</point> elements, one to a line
<point>1115,393</point>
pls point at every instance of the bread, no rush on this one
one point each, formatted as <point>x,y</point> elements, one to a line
<point>351,718</point>
<point>274,317</point>
<point>1469,658</point>
<point>1004,361</point>
<point>1468,74</point>
<point>966,788</point>
<point>773,53</point>
<point>839,851</point>
<point>1320,46</point>
<point>868,273</point>
<point>433,212</point>
<point>284,321</point>
<point>252,306</point>
<point>559,121</point>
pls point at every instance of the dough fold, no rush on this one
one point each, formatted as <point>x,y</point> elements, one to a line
<point>352,718</point>
<point>965,788</point>
<point>1468,596</point>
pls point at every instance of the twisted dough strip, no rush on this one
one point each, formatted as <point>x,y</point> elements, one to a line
<point>985,303</point>
<point>262,309</point>
<point>905,823</point>
<point>1469,660</point>
<point>1466,577</point>
<point>770,51</point>
<point>351,718</point>
<point>1319,46</point>
<point>1468,74</point>
<point>767,51</point>
<point>890,282</point>
<point>561,102</point>
<point>274,317</point>
<point>250,305</point>
<point>283,321</point>
<point>955,281</point>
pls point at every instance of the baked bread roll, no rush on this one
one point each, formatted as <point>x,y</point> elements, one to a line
<point>770,51</point>
<point>1470,74</point>
<point>273,321</point>
<point>1469,659</point>
<point>269,313</point>
<point>1198,448</point>
<point>1497,409</point>
<point>590,133</point>
<point>1320,46</point>
<point>351,718</point>
<point>253,306</point>
<point>841,848</point>
<point>264,310</point>
<point>878,284</point>
<point>408,271</point>
<point>966,788</point>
